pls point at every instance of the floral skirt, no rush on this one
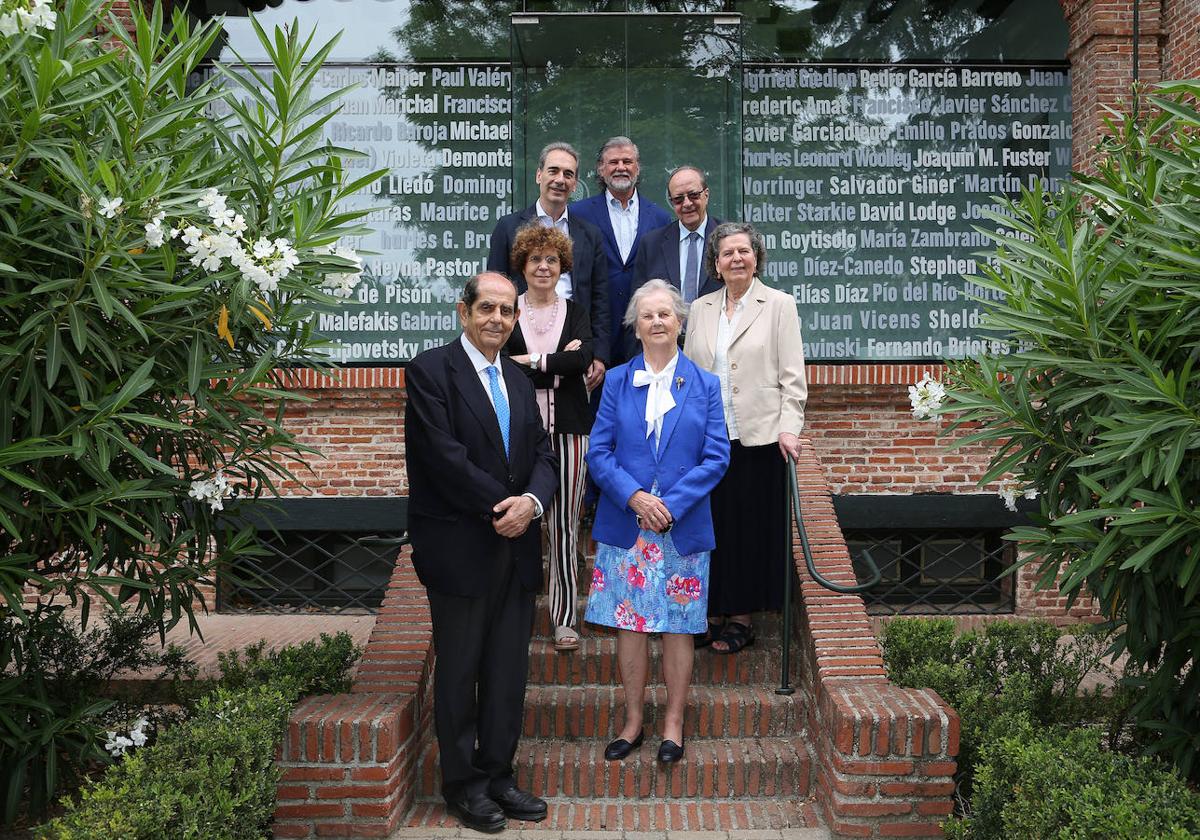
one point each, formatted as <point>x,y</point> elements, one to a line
<point>649,588</point>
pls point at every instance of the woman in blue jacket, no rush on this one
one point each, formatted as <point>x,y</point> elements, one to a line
<point>658,448</point>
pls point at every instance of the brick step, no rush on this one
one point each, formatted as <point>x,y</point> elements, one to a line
<point>737,767</point>
<point>767,625</point>
<point>595,712</point>
<point>596,663</point>
<point>568,815</point>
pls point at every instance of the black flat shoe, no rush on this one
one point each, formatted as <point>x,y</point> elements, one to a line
<point>518,804</point>
<point>669,752</point>
<point>477,811</point>
<point>617,750</point>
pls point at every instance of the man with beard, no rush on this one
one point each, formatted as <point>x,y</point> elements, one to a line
<point>623,217</point>
<point>587,281</point>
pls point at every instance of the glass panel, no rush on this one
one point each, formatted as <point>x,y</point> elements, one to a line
<point>672,83</point>
<point>376,30</point>
<point>904,30</point>
<point>952,561</point>
<point>870,184</point>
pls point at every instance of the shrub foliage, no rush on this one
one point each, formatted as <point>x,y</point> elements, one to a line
<point>1097,406</point>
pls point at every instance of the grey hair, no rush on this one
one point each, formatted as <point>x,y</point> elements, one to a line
<point>687,167</point>
<point>648,288</point>
<point>557,146</point>
<point>724,231</point>
<point>615,143</point>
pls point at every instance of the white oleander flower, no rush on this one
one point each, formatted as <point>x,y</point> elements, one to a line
<point>342,284</point>
<point>926,397</point>
<point>209,197</point>
<point>110,207</point>
<point>237,226</point>
<point>1008,492</point>
<point>213,491</point>
<point>191,235</point>
<point>117,744</point>
<point>155,235</point>
<point>28,17</point>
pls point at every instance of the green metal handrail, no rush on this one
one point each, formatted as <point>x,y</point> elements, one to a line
<point>876,576</point>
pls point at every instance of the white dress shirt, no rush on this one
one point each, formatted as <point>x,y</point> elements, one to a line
<point>564,281</point>
<point>481,364</point>
<point>725,330</point>
<point>624,222</point>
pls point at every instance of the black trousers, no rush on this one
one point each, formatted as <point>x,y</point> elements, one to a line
<point>482,646</point>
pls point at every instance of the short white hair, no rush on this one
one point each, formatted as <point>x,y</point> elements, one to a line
<point>648,288</point>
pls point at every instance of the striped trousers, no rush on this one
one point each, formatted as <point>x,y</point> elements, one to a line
<point>562,525</point>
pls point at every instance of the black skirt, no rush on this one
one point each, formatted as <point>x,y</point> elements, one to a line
<point>749,509</point>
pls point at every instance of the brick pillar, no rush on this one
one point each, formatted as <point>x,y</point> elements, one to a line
<point>1100,49</point>
<point>1181,39</point>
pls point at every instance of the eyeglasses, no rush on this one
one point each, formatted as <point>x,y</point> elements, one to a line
<point>691,196</point>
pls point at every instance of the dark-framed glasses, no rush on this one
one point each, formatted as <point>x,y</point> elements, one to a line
<point>688,196</point>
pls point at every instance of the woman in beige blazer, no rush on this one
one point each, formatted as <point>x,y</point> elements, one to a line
<point>749,336</point>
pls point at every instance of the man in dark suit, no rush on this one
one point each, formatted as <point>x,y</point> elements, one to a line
<point>587,281</point>
<point>624,216</point>
<point>480,470</point>
<point>675,253</point>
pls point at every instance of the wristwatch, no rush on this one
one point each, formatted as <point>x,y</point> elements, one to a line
<point>534,360</point>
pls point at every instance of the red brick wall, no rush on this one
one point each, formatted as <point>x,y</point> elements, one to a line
<point>1181,47</point>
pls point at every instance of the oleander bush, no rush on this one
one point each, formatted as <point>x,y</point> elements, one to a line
<point>1095,406</point>
<point>165,240</point>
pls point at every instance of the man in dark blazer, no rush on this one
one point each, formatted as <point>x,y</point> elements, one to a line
<point>624,216</point>
<point>666,253</point>
<point>587,282</point>
<point>480,470</point>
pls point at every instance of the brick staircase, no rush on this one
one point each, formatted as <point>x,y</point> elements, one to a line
<point>868,758</point>
<point>747,764</point>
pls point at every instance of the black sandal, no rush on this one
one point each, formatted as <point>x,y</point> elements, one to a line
<point>736,636</point>
<point>709,636</point>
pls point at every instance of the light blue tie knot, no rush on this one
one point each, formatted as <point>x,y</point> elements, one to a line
<point>500,404</point>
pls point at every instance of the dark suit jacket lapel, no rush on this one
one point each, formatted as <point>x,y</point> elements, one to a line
<point>466,380</point>
<point>670,246</point>
<point>685,371</point>
<point>610,235</point>
<point>643,227</point>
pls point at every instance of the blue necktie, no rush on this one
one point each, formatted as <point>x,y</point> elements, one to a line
<point>500,403</point>
<point>691,282</point>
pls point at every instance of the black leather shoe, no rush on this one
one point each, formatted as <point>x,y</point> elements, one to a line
<point>477,811</point>
<point>669,752</point>
<point>620,748</point>
<point>518,804</point>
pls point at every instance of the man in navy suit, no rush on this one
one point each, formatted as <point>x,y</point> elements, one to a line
<point>587,281</point>
<point>624,217</point>
<point>675,253</point>
<point>480,471</point>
